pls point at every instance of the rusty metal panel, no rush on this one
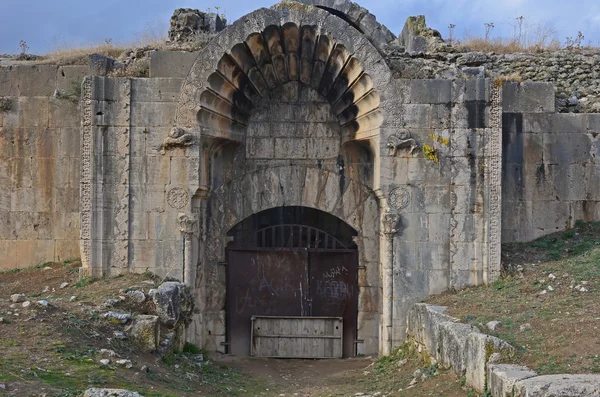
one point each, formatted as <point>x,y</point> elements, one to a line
<point>334,291</point>
<point>297,337</point>
<point>263,283</point>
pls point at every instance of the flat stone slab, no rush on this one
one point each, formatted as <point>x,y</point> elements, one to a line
<point>559,386</point>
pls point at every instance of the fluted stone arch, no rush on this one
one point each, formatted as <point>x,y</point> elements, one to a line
<point>279,55</point>
<point>270,47</point>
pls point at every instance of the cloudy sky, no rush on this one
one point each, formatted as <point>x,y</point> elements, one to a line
<point>48,24</point>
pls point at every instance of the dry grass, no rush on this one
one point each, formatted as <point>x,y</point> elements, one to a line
<point>76,53</point>
<point>527,38</point>
<point>555,331</point>
<point>505,46</point>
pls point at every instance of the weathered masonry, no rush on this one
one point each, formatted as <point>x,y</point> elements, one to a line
<point>286,171</point>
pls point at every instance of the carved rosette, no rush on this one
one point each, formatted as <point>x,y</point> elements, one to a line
<point>178,198</point>
<point>391,223</point>
<point>399,198</point>
<point>188,225</point>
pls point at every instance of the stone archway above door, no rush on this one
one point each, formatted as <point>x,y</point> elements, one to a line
<point>283,54</point>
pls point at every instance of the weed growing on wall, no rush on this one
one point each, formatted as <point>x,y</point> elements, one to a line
<point>431,151</point>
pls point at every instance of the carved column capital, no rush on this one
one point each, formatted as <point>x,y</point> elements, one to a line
<point>391,223</point>
<point>188,225</point>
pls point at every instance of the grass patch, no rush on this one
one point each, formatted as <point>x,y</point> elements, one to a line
<point>549,309</point>
<point>192,349</point>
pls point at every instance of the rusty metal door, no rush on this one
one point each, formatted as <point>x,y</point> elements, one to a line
<point>290,270</point>
<point>334,291</point>
<point>263,283</point>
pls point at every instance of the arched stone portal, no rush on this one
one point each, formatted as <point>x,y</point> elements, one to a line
<point>292,261</point>
<point>288,109</point>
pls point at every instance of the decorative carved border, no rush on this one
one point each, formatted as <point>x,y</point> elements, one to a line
<point>86,185</point>
<point>494,180</point>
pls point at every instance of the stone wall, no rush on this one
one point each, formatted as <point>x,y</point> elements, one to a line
<point>550,164</point>
<point>39,164</point>
<point>131,224</point>
<point>575,74</point>
<point>449,214</point>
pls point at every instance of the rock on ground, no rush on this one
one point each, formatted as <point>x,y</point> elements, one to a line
<point>172,302</point>
<point>144,332</point>
<point>94,392</point>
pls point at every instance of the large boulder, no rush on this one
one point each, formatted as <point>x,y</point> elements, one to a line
<point>145,332</point>
<point>94,392</point>
<point>187,24</point>
<point>173,303</point>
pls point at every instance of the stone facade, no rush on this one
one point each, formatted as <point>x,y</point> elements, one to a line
<point>293,106</point>
<point>39,164</point>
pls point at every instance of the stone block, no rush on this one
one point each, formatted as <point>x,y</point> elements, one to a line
<point>9,83</point>
<point>593,123</point>
<point>416,115</point>
<point>567,148</point>
<point>439,281</point>
<point>440,117</point>
<point>414,227</point>
<point>66,249</point>
<point>155,89</point>
<point>502,378</point>
<point>423,326</point>
<point>322,148</point>
<point>111,89</point>
<point>537,122</point>
<point>434,256</point>
<point>558,385</point>
<point>439,224</point>
<point>36,80</point>
<point>569,182</point>
<point>430,91</point>
<point>184,170</point>
<point>66,199</point>
<point>563,123</point>
<point>260,148</point>
<point>453,344</point>
<point>369,276</point>
<point>33,112</point>
<point>478,90</point>
<point>437,199</point>
<point>70,77</point>
<point>66,226</point>
<point>145,332</point>
<point>8,259</point>
<point>288,148</point>
<point>34,252</point>
<point>528,97</point>
<point>479,348</point>
<point>111,113</point>
<point>413,283</point>
<point>284,129</point>
<point>153,114</point>
<point>368,299</point>
<point>67,143</point>
<point>64,113</point>
<point>171,63</point>
<point>407,255</point>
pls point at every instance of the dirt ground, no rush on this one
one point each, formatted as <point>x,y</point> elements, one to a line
<point>54,351</point>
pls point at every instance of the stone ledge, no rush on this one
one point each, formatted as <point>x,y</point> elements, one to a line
<point>471,353</point>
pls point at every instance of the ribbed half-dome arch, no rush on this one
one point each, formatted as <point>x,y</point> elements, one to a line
<point>282,54</point>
